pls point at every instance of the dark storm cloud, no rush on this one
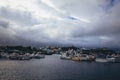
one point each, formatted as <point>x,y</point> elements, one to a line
<point>66,22</point>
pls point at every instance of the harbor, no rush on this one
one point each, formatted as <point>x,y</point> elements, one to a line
<point>66,53</point>
<point>80,56</point>
<point>49,63</point>
<point>59,39</point>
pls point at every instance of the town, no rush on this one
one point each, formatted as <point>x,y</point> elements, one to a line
<point>66,53</point>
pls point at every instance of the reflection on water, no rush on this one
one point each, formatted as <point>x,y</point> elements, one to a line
<point>53,68</point>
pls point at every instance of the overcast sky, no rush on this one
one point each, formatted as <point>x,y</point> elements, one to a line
<point>90,23</point>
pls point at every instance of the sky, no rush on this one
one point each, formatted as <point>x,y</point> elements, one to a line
<point>86,23</point>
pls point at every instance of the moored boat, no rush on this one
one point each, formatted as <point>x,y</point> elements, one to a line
<point>14,56</point>
<point>76,59</point>
<point>39,56</point>
<point>65,56</point>
<point>25,57</point>
<point>91,58</point>
<point>110,58</point>
<point>101,60</point>
<point>83,57</point>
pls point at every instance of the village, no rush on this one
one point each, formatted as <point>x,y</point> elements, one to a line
<point>66,53</point>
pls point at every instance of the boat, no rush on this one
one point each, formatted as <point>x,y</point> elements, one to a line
<point>110,58</point>
<point>102,60</point>
<point>83,57</point>
<point>39,56</point>
<point>32,55</point>
<point>65,56</point>
<point>25,57</point>
<point>76,59</point>
<point>113,58</point>
<point>91,58</point>
<point>14,56</point>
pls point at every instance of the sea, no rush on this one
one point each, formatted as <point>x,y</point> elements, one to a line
<point>53,68</point>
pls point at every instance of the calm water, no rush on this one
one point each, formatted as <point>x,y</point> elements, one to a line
<point>53,68</point>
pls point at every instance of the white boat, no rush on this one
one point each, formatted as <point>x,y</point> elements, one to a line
<point>110,58</point>
<point>113,58</point>
<point>83,57</point>
<point>32,55</point>
<point>91,57</point>
<point>38,56</point>
<point>65,56</point>
<point>101,60</point>
<point>25,57</point>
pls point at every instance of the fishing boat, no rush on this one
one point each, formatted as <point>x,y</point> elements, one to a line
<point>83,57</point>
<point>91,58</point>
<point>65,56</point>
<point>39,56</point>
<point>14,56</point>
<point>75,58</point>
<point>110,58</point>
<point>102,60</point>
<point>25,57</point>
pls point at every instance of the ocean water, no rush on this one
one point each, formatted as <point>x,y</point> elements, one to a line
<point>53,68</point>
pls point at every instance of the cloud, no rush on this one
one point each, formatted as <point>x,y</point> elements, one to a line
<point>60,22</point>
<point>4,24</point>
<point>20,17</point>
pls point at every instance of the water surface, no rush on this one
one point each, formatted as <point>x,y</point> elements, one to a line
<point>53,68</point>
